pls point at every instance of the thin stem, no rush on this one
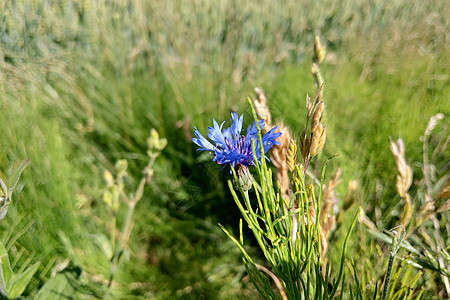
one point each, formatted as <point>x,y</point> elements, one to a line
<point>426,168</point>
<point>126,229</point>
<point>113,232</point>
<point>388,276</point>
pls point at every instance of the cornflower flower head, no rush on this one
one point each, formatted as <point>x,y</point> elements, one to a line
<point>232,148</point>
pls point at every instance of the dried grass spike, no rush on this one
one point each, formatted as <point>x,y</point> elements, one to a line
<point>444,207</point>
<point>279,158</point>
<point>351,197</point>
<point>425,212</point>
<point>309,105</point>
<point>404,177</point>
<point>317,115</point>
<point>327,221</point>
<point>319,50</point>
<point>314,69</point>
<point>304,144</point>
<point>434,120</point>
<point>291,157</point>
<point>261,108</point>
<point>406,212</point>
<point>444,193</point>
<point>318,140</point>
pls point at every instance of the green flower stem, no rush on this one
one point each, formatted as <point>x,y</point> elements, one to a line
<point>126,229</point>
<point>399,235</point>
<point>388,276</point>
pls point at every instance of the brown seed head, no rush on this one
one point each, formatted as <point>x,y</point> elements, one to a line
<point>317,115</point>
<point>318,140</point>
<point>444,207</point>
<point>444,193</point>
<point>304,144</point>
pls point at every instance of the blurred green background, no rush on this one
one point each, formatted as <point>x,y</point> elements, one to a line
<point>83,82</point>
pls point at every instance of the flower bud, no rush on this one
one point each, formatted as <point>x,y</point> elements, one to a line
<point>245,178</point>
<point>121,166</point>
<point>108,178</point>
<point>154,142</point>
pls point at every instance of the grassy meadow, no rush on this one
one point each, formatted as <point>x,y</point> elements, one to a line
<point>82,83</point>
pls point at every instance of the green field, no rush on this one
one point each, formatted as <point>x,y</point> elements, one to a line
<point>83,82</point>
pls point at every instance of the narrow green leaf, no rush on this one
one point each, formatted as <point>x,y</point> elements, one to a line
<point>376,291</point>
<point>322,174</point>
<point>3,210</point>
<point>342,288</point>
<point>12,183</point>
<point>344,248</point>
<point>103,243</point>
<point>244,253</point>
<point>62,286</point>
<point>388,240</point>
<point>5,271</point>
<point>22,280</point>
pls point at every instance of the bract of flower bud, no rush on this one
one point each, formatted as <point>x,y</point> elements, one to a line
<point>245,178</point>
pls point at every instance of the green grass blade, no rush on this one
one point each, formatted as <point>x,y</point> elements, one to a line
<point>21,281</point>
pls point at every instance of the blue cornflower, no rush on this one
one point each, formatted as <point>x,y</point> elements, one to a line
<point>232,148</point>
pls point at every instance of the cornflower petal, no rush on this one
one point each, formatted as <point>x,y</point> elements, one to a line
<point>252,131</point>
<point>227,133</point>
<point>215,134</point>
<point>236,124</point>
<point>269,139</point>
<point>200,141</point>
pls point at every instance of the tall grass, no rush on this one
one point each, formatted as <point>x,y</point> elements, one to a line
<point>82,82</point>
